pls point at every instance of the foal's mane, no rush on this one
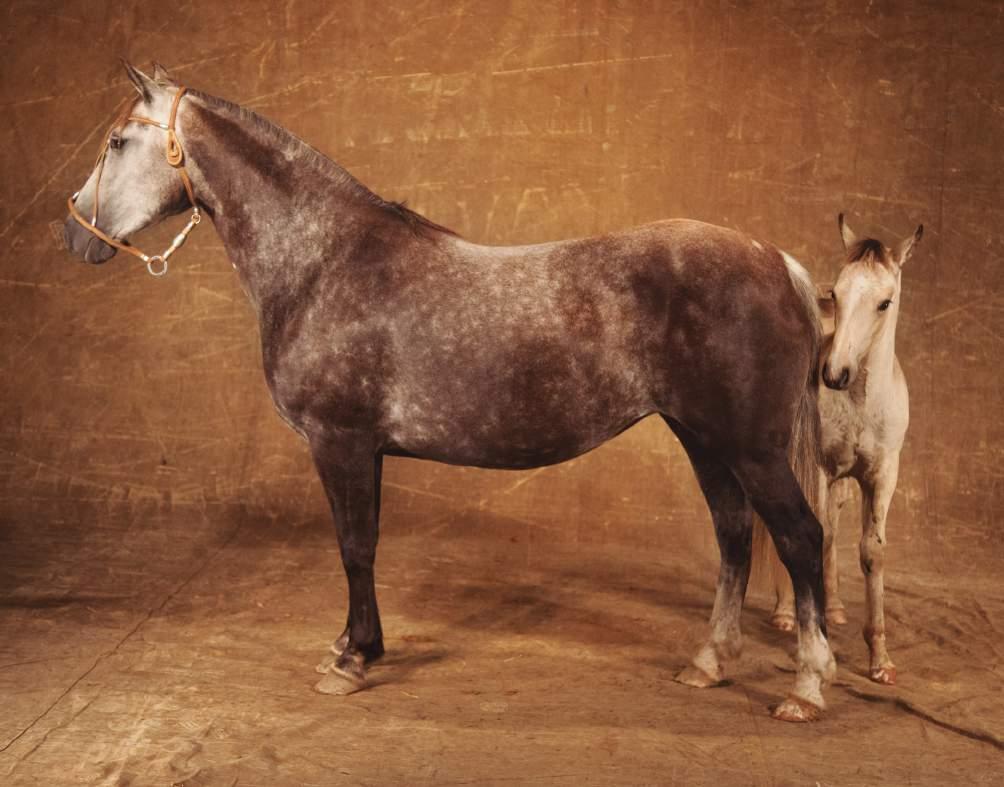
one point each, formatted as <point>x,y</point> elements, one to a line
<point>291,144</point>
<point>867,250</point>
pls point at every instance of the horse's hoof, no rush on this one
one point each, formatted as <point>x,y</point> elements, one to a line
<point>884,675</point>
<point>837,616</point>
<point>796,709</point>
<point>339,645</point>
<point>327,663</point>
<point>783,621</point>
<point>696,677</point>
<point>339,682</point>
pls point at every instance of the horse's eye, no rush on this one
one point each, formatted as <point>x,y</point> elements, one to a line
<point>116,142</point>
<point>833,296</point>
<point>885,305</point>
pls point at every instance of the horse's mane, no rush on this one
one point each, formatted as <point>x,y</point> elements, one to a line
<point>291,144</point>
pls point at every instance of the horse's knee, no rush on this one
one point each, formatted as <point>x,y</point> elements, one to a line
<point>801,544</point>
<point>871,554</point>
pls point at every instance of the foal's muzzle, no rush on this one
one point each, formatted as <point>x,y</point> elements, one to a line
<point>86,245</point>
<point>838,381</point>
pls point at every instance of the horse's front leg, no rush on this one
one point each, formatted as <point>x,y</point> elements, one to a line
<point>876,493</point>
<point>349,468</point>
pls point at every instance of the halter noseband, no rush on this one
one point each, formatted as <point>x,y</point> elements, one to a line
<point>176,158</point>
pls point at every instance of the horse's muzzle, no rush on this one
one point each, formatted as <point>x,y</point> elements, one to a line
<point>85,245</point>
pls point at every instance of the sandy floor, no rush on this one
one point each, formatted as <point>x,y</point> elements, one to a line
<point>180,650</point>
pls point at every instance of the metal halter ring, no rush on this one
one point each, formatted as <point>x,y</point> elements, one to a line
<point>151,261</point>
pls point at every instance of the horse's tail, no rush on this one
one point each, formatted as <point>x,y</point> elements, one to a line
<point>805,449</point>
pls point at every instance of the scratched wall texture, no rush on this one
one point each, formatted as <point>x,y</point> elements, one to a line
<point>129,401</point>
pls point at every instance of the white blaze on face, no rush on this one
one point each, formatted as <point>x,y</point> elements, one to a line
<point>859,293</point>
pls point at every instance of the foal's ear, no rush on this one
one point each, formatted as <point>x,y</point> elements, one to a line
<point>904,249</point>
<point>143,84</point>
<point>846,233</point>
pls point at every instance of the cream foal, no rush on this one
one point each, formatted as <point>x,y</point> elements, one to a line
<point>864,408</point>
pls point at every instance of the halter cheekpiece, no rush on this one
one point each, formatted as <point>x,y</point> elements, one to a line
<point>156,264</point>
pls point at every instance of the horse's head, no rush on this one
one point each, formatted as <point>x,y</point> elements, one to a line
<point>865,301</point>
<point>135,182</point>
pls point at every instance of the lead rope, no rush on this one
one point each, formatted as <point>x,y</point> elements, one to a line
<point>176,158</point>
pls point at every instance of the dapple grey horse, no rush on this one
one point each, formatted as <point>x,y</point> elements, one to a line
<point>383,333</point>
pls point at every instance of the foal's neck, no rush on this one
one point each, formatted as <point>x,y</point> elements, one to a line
<point>880,361</point>
<point>281,208</point>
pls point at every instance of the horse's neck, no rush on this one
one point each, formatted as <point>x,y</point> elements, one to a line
<point>278,213</point>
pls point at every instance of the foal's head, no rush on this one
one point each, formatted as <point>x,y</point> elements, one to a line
<point>865,301</point>
<point>132,185</point>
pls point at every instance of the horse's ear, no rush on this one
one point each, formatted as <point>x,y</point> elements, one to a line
<point>143,84</point>
<point>904,250</point>
<point>160,74</point>
<point>846,233</point>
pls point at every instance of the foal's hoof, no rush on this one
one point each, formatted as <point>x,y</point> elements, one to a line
<point>837,616</point>
<point>696,677</point>
<point>885,675</point>
<point>783,621</point>
<point>796,709</point>
<point>339,683</point>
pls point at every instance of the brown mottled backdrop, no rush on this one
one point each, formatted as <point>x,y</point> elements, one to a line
<point>137,406</point>
<point>513,123</point>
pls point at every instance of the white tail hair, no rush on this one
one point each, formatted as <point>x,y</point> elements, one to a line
<point>804,450</point>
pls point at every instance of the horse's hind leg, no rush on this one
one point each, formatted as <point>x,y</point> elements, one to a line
<point>733,519</point>
<point>350,473</point>
<point>783,616</point>
<point>876,495</point>
<point>798,537</point>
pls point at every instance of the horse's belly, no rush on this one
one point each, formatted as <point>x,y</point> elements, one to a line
<point>512,444</point>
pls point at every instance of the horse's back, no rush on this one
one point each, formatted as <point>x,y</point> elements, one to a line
<point>515,356</point>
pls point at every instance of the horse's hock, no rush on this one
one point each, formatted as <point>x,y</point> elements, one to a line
<point>169,574</point>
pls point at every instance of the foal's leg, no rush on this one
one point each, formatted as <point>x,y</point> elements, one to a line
<point>350,472</point>
<point>876,494</point>
<point>837,493</point>
<point>798,537</point>
<point>783,616</point>
<point>733,519</point>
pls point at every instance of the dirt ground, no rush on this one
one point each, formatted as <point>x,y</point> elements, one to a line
<point>173,649</point>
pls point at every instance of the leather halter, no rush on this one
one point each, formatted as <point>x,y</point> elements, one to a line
<point>176,158</point>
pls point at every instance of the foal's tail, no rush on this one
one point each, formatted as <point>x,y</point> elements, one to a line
<point>805,449</point>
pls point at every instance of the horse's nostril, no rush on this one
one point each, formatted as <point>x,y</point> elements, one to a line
<point>845,376</point>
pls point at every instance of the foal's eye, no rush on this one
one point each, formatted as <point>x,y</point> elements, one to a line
<point>885,305</point>
<point>116,142</point>
<point>833,296</point>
